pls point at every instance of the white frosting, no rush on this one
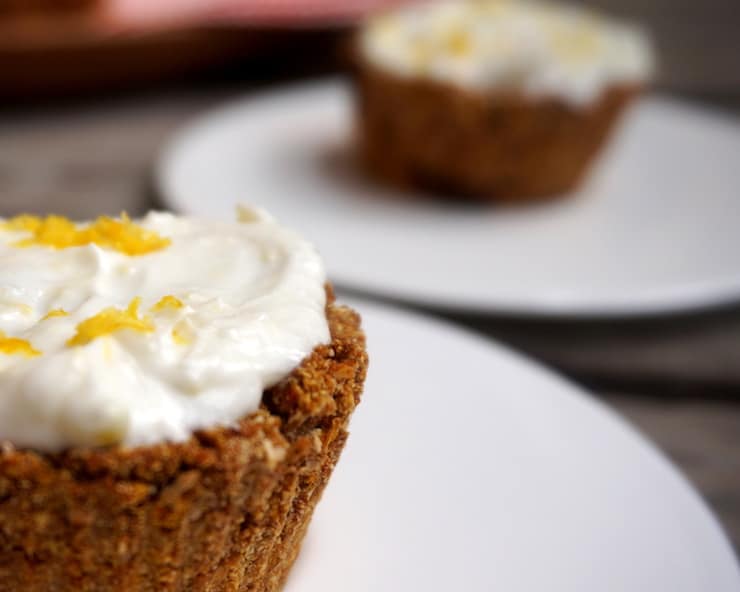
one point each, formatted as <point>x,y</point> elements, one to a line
<point>253,296</point>
<point>536,48</point>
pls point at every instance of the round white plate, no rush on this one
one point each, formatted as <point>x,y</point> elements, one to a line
<point>655,229</point>
<point>472,468</point>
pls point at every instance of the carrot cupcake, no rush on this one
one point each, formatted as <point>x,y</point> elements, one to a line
<point>174,394</point>
<point>495,99</point>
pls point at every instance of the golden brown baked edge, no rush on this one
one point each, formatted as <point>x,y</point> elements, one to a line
<point>224,511</point>
<point>418,133</point>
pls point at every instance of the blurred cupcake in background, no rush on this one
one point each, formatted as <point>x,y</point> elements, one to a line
<point>493,99</point>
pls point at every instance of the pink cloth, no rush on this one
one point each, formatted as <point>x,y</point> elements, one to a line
<point>168,13</point>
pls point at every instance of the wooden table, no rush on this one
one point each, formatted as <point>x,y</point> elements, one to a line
<point>677,379</point>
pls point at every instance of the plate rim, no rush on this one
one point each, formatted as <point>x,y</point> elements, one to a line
<point>690,298</point>
<point>580,395</point>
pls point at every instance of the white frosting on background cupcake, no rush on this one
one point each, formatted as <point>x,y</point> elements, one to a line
<point>101,344</point>
<point>536,48</point>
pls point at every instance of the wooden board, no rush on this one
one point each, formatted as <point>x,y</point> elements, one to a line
<point>42,59</point>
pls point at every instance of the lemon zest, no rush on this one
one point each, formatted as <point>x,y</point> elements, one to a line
<point>24,222</point>
<point>109,436</point>
<point>109,321</point>
<point>182,334</point>
<point>459,43</point>
<point>14,345</point>
<point>59,232</point>
<point>57,312</point>
<point>166,302</point>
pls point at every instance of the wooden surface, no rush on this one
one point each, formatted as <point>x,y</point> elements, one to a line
<point>697,43</point>
<point>74,57</point>
<point>677,379</point>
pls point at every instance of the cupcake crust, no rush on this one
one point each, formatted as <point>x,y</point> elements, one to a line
<point>224,511</point>
<point>419,133</point>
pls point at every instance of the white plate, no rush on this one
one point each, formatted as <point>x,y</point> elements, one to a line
<point>656,228</point>
<point>470,468</point>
